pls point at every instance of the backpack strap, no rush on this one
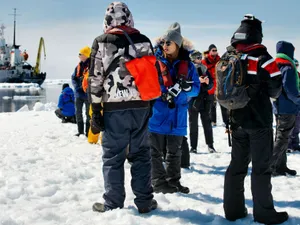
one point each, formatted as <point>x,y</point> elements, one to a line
<point>113,63</point>
<point>183,69</point>
<point>166,76</point>
<point>131,42</point>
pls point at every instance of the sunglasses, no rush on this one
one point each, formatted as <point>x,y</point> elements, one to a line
<point>80,54</point>
<point>168,43</point>
<point>199,58</point>
<point>214,50</point>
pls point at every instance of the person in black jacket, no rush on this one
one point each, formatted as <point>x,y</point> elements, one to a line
<point>252,132</point>
<point>201,104</point>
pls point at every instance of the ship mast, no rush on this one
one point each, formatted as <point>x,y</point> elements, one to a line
<point>15,24</point>
<point>2,28</point>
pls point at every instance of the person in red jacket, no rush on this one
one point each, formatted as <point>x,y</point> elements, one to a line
<point>210,62</point>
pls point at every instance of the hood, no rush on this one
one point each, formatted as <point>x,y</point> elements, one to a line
<point>186,44</point>
<point>184,51</point>
<point>117,14</point>
<point>68,91</point>
<point>285,48</point>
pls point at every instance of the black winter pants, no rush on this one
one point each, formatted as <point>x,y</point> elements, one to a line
<point>247,145</point>
<point>213,113</point>
<point>284,126</point>
<point>60,115</point>
<point>123,128</point>
<point>79,118</point>
<point>206,123</point>
<point>172,144</point>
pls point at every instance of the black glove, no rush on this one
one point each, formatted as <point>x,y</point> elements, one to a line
<point>97,123</point>
<point>185,85</point>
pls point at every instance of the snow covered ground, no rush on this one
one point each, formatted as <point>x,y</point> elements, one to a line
<point>48,176</point>
<point>56,81</point>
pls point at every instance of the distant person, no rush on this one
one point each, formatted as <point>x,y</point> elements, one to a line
<point>25,55</point>
<point>286,107</point>
<point>294,136</point>
<point>201,105</point>
<point>92,138</point>
<point>210,61</point>
<point>81,99</point>
<point>66,105</point>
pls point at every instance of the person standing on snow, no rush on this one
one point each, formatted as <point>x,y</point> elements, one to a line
<point>81,97</point>
<point>286,107</point>
<point>210,62</point>
<point>125,118</point>
<point>201,104</point>
<point>168,124</point>
<point>252,132</point>
<point>66,108</point>
<point>294,136</point>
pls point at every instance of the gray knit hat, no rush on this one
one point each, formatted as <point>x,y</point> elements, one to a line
<point>174,34</point>
<point>195,54</point>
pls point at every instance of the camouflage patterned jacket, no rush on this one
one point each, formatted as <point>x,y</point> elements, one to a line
<point>109,80</point>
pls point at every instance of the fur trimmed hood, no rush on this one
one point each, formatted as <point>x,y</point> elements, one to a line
<point>186,44</point>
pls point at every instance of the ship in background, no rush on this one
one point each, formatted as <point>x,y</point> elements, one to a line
<point>13,62</point>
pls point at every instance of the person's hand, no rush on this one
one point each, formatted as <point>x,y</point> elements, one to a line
<point>204,80</point>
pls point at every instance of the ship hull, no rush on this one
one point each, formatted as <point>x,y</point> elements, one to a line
<point>12,76</point>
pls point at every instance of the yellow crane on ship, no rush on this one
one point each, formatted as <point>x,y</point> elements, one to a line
<point>37,68</point>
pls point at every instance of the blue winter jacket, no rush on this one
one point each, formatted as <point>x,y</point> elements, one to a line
<point>77,81</point>
<point>289,100</point>
<point>174,121</point>
<point>66,102</point>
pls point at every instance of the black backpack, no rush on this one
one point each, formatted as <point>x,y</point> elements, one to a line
<point>231,72</point>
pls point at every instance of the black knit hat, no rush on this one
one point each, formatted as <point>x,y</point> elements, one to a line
<point>249,32</point>
<point>212,46</point>
<point>65,85</point>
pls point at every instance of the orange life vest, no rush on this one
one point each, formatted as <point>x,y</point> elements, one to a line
<point>183,71</point>
<point>85,75</point>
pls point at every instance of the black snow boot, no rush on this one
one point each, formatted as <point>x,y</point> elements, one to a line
<point>181,188</point>
<point>284,172</point>
<point>165,188</point>
<point>193,150</point>
<point>211,149</point>
<point>275,218</point>
<point>100,207</point>
<point>238,216</point>
<point>290,172</point>
<point>153,206</point>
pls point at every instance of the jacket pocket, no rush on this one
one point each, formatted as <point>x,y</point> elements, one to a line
<point>181,116</point>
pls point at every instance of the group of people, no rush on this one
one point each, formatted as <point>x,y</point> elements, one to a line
<point>152,135</point>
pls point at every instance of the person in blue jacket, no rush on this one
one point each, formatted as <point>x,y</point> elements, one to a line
<point>285,107</point>
<point>66,107</point>
<point>294,135</point>
<point>168,123</point>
